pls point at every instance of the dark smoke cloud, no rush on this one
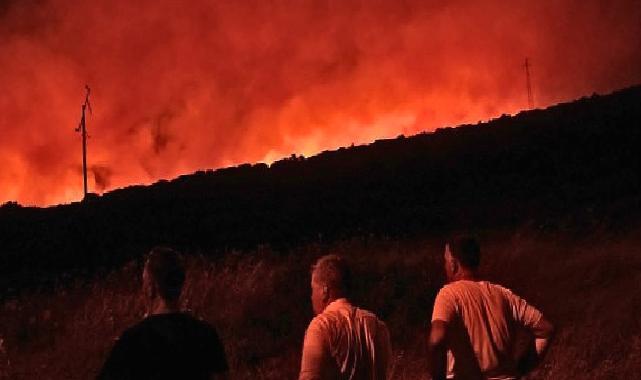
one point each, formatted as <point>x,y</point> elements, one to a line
<point>102,176</point>
<point>180,86</point>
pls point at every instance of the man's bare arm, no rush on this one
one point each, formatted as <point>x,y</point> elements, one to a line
<point>315,354</point>
<point>543,332</point>
<point>436,350</point>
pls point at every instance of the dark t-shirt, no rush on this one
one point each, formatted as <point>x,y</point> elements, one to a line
<point>166,346</point>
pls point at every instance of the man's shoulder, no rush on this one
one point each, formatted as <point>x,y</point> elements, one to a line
<point>135,331</point>
<point>367,314</point>
<point>179,318</point>
<point>459,291</point>
<point>340,316</point>
<point>322,321</point>
<point>452,288</point>
<point>169,324</point>
<point>462,291</point>
<point>462,285</point>
<point>336,315</point>
<point>199,327</point>
<point>196,322</point>
<point>140,332</point>
<point>329,323</point>
<point>500,288</point>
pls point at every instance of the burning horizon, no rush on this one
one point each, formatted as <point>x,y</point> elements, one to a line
<point>177,89</point>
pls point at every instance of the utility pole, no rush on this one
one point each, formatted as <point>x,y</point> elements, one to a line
<point>82,128</point>
<point>530,96</point>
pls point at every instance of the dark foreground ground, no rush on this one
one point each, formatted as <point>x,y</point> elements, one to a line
<point>588,284</point>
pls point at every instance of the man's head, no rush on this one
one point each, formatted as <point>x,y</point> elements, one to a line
<point>164,275</point>
<point>331,279</point>
<point>462,257</point>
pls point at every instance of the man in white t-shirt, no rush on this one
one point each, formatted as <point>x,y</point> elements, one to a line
<point>343,342</point>
<point>475,323</point>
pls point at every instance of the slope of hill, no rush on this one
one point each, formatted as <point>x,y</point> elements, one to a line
<point>576,161</point>
<point>553,196</point>
<point>259,302</point>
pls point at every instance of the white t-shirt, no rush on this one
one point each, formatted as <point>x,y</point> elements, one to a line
<point>483,319</point>
<point>345,342</point>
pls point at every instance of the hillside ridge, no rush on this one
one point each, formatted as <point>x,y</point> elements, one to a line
<point>576,160</point>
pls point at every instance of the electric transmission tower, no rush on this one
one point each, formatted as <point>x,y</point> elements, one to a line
<point>82,128</point>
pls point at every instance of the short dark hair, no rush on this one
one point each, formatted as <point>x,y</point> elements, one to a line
<point>166,269</point>
<point>333,272</point>
<point>466,250</point>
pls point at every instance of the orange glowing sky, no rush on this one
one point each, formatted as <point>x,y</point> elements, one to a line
<point>179,88</point>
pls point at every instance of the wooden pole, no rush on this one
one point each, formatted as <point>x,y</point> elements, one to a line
<point>530,96</point>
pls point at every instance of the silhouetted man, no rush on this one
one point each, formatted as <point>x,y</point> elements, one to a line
<point>342,341</point>
<point>477,322</point>
<point>167,344</point>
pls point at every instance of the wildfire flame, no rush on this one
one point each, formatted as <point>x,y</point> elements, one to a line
<point>178,87</point>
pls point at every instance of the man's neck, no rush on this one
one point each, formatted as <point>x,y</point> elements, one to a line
<point>161,306</point>
<point>466,275</point>
<point>334,299</point>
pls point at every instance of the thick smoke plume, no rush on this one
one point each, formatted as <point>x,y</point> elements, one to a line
<point>180,86</point>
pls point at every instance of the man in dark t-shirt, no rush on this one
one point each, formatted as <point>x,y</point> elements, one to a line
<point>168,343</point>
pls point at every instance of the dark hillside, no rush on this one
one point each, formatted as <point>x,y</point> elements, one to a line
<point>577,162</point>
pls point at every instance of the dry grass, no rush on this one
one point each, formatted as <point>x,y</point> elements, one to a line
<point>259,302</point>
